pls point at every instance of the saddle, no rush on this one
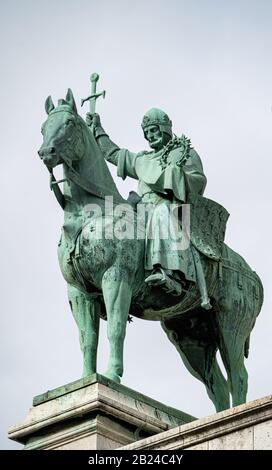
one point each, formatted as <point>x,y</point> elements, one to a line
<point>208,221</point>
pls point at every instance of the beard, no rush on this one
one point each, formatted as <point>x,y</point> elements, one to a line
<point>160,142</point>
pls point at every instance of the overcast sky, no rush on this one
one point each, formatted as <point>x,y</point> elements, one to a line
<point>207,63</point>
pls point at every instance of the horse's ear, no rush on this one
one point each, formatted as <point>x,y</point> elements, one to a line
<point>71,100</point>
<point>49,105</point>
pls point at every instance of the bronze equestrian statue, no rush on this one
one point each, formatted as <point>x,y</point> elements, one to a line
<point>204,294</point>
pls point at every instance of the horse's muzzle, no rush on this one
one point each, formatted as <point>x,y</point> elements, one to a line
<point>48,156</point>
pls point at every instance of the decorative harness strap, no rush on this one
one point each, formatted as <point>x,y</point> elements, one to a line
<point>54,186</point>
<point>79,180</point>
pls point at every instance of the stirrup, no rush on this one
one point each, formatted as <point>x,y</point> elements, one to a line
<point>205,303</point>
<point>160,278</point>
<point>157,278</point>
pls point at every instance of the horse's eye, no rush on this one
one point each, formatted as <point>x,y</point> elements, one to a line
<point>70,121</point>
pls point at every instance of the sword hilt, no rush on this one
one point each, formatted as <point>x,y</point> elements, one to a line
<point>93,96</point>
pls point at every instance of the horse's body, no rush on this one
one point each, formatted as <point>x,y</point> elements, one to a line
<point>105,275</point>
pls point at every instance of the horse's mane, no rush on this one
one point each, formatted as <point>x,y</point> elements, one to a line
<point>94,167</point>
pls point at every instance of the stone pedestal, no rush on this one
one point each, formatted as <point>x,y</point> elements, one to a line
<point>93,413</point>
<point>244,427</point>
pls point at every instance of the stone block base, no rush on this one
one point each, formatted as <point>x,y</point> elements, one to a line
<point>93,413</point>
<point>244,427</point>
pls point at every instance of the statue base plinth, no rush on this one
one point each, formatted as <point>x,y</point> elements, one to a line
<point>93,413</point>
<point>244,427</point>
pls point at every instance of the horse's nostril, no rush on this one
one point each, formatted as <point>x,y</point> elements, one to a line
<point>46,151</point>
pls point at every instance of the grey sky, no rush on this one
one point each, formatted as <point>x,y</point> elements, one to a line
<point>207,63</point>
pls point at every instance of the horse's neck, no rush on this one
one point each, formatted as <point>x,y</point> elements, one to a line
<point>93,169</point>
<point>80,206</point>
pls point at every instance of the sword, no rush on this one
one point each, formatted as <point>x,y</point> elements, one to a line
<point>93,96</point>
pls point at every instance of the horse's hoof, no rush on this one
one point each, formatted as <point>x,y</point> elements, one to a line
<point>88,374</point>
<point>114,377</point>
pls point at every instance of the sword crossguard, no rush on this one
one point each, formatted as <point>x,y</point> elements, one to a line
<point>96,95</point>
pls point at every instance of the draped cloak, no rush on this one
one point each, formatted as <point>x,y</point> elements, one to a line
<point>161,185</point>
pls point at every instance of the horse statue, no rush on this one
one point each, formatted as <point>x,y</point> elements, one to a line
<point>105,275</point>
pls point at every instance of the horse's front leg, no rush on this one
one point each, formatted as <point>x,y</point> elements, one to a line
<point>117,297</point>
<point>86,314</point>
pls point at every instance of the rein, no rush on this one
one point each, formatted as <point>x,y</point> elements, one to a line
<point>54,186</point>
<point>79,180</point>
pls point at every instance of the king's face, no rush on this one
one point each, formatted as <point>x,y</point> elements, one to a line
<point>154,136</point>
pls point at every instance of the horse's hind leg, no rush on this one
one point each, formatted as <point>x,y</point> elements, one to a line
<point>232,348</point>
<point>117,298</point>
<point>86,314</point>
<point>199,356</point>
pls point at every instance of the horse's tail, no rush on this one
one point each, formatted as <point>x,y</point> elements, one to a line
<point>246,349</point>
<point>259,297</point>
<point>260,290</point>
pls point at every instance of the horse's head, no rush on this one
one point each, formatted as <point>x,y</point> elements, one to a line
<point>62,132</point>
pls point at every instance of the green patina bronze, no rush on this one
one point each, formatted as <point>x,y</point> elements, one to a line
<point>204,294</point>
